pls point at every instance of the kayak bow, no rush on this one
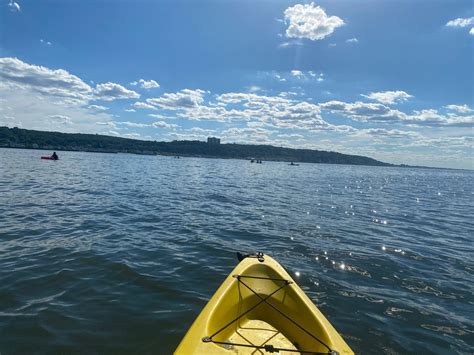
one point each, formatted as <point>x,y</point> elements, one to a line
<point>259,306</point>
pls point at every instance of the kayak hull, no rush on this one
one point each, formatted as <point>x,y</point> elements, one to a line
<point>259,306</point>
<point>48,158</point>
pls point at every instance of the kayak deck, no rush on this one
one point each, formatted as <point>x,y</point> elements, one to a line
<point>259,309</point>
<point>258,333</point>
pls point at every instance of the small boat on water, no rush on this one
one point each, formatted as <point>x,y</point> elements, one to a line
<point>260,309</point>
<point>49,158</point>
<point>54,156</point>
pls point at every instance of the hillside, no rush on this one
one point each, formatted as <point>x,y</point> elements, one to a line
<point>30,139</point>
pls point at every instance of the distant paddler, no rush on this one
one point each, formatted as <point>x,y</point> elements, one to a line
<point>54,156</point>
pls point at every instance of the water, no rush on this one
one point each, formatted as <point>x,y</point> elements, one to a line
<point>116,253</point>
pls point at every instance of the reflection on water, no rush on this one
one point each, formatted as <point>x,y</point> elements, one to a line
<point>109,253</point>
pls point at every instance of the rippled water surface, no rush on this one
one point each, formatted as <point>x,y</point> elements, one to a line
<point>116,253</point>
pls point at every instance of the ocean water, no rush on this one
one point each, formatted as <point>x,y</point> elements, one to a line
<point>117,253</point>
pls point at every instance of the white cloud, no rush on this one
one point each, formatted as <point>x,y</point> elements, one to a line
<point>352,40</point>
<point>61,119</point>
<point>45,112</point>
<point>461,22</point>
<point>376,112</point>
<point>180,100</point>
<point>154,115</point>
<point>290,44</point>
<point>361,111</point>
<point>388,133</point>
<point>449,142</point>
<point>389,97</point>
<point>14,6</point>
<point>205,131</point>
<point>275,111</point>
<point>320,76</point>
<point>310,21</point>
<point>58,83</point>
<point>130,110</point>
<point>146,84</point>
<point>248,135</point>
<point>144,105</point>
<point>279,77</point>
<point>47,99</point>
<point>45,42</point>
<point>306,75</point>
<point>98,107</point>
<point>157,124</point>
<point>254,88</point>
<point>163,124</point>
<point>133,124</point>
<point>471,31</point>
<point>433,118</point>
<point>112,91</point>
<point>459,108</point>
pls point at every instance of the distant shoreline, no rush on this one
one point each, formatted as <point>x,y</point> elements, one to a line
<point>94,143</point>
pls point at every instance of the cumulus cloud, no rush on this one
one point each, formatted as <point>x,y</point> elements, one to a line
<point>133,124</point>
<point>180,100</point>
<point>310,21</point>
<point>61,118</point>
<point>98,107</point>
<point>362,111</point>
<point>251,135</point>
<point>112,91</point>
<point>45,112</point>
<point>461,22</point>
<point>376,112</point>
<point>146,84</point>
<point>432,117</point>
<point>58,83</point>
<point>389,97</point>
<point>388,133</point>
<point>157,124</point>
<point>144,105</point>
<point>352,40</point>
<point>14,6</point>
<point>449,142</point>
<point>272,111</point>
<point>60,98</point>
<point>297,73</point>
<point>459,108</point>
<point>163,124</point>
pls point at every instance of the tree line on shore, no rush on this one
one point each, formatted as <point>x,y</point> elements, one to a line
<point>31,139</point>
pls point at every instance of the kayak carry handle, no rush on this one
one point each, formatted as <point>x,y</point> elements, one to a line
<point>259,255</point>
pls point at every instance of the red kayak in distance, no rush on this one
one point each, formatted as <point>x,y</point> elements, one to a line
<point>48,158</point>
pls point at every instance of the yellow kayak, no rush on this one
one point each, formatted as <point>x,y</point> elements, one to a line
<point>260,309</point>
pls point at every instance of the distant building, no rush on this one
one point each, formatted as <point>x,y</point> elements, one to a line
<point>213,140</point>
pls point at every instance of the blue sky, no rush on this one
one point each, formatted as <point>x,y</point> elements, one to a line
<point>389,79</point>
